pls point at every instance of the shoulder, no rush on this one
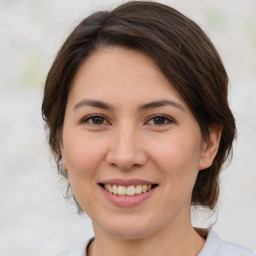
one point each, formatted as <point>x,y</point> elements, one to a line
<point>215,246</point>
<point>78,251</point>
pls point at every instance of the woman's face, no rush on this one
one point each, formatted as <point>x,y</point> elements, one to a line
<point>127,130</point>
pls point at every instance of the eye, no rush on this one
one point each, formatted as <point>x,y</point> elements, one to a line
<point>95,120</point>
<point>159,120</point>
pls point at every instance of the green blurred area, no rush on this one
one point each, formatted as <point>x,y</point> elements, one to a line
<point>34,29</point>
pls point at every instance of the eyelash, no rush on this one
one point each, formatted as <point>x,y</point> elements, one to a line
<point>89,119</point>
<point>167,120</point>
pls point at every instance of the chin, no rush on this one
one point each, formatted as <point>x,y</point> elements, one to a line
<point>130,233</point>
<point>128,229</point>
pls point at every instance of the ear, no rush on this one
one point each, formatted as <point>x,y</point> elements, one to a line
<point>64,163</point>
<point>210,147</point>
<point>62,150</point>
<point>63,158</point>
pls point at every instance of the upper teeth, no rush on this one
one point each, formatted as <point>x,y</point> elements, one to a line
<point>127,191</point>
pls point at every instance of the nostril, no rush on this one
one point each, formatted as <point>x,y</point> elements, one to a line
<point>126,156</point>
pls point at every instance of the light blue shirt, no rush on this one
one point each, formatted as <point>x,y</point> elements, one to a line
<point>214,246</point>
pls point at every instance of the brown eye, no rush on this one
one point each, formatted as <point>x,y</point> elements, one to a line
<point>160,120</point>
<point>95,120</point>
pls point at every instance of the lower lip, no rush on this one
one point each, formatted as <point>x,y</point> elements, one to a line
<point>127,201</point>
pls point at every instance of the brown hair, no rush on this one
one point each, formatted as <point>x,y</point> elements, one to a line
<point>181,50</point>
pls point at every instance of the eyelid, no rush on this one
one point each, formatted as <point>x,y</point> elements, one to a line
<point>167,118</point>
<point>106,121</point>
<point>86,118</point>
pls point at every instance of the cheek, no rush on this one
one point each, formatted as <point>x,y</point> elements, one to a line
<point>173,152</point>
<point>83,153</point>
<point>178,160</point>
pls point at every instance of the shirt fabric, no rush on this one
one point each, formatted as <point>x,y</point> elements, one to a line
<point>214,246</point>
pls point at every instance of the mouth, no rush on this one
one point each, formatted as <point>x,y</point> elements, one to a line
<point>127,191</point>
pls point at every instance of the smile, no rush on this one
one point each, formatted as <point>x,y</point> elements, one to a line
<point>127,191</point>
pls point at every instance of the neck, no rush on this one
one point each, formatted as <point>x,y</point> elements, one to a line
<point>181,242</point>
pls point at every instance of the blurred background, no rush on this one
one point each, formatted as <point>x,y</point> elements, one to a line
<point>35,219</point>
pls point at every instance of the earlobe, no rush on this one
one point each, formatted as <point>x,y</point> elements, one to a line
<point>210,147</point>
<point>63,159</point>
<point>64,164</point>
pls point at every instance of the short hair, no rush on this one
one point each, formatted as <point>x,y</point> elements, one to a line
<point>181,50</point>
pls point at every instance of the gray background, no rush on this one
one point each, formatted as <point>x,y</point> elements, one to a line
<point>34,217</point>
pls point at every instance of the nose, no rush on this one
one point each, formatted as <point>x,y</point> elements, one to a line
<point>125,151</point>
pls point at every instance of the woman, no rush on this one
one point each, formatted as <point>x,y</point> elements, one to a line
<point>139,123</point>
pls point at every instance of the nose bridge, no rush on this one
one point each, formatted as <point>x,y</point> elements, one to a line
<point>124,144</point>
<point>125,151</point>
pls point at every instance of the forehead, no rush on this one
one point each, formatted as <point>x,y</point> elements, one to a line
<point>121,72</point>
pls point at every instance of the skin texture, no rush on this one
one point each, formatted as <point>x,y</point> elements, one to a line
<point>128,142</point>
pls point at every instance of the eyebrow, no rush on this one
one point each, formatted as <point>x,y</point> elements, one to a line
<point>161,103</point>
<point>93,103</point>
<point>144,107</point>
